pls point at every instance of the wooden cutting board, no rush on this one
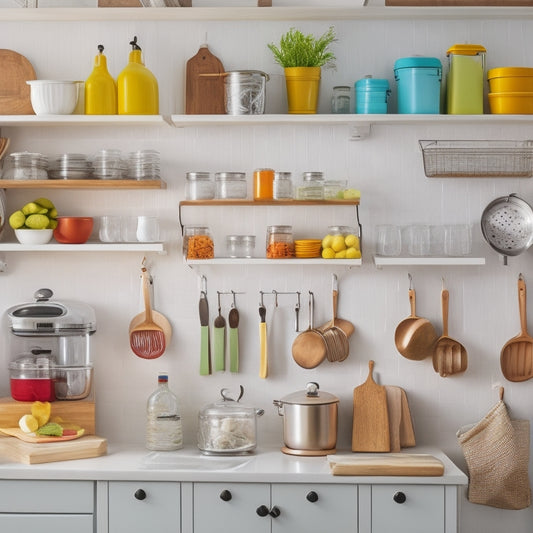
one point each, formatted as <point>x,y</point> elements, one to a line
<point>390,464</point>
<point>35,439</point>
<point>407,432</point>
<point>204,95</point>
<point>394,408</point>
<point>370,431</point>
<point>14,91</point>
<point>28,453</point>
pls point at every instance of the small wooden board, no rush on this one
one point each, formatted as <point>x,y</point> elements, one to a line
<point>14,91</point>
<point>389,464</point>
<point>28,453</point>
<point>407,432</point>
<point>36,439</point>
<point>394,408</point>
<point>204,95</point>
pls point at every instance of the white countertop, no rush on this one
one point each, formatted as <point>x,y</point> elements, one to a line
<point>267,465</point>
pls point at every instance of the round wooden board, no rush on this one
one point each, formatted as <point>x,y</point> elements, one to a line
<point>14,91</point>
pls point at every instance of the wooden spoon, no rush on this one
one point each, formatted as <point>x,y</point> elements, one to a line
<point>147,339</point>
<point>450,356</point>
<point>516,358</point>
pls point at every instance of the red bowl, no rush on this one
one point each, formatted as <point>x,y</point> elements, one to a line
<point>73,230</point>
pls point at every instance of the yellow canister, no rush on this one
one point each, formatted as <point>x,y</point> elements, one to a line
<point>100,88</point>
<point>510,80</point>
<point>138,92</point>
<point>465,81</point>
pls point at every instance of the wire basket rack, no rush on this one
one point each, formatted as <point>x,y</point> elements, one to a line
<point>477,159</point>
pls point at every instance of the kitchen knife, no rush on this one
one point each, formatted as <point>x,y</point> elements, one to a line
<point>205,350</point>
<point>263,362</point>
<point>233,320</point>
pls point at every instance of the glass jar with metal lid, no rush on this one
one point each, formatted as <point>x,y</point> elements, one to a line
<point>200,186</point>
<point>279,242</point>
<point>230,185</point>
<point>311,187</point>
<point>282,186</point>
<point>198,243</point>
<point>240,245</point>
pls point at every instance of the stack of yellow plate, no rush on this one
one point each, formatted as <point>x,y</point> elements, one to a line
<point>307,248</point>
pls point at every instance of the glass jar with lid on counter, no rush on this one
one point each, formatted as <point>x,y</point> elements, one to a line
<point>230,185</point>
<point>198,243</point>
<point>311,186</point>
<point>279,242</point>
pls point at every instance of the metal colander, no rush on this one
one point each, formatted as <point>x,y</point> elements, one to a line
<point>507,225</point>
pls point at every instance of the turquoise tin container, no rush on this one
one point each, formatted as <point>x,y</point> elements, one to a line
<point>371,96</point>
<point>418,81</point>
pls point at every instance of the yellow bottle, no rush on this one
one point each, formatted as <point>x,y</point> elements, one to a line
<point>138,93</point>
<point>100,88</point>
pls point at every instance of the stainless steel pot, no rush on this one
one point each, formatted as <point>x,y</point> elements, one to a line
<point>309,420</point>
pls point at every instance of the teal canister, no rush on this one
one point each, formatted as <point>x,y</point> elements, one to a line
<point>418,81</point>
<point>372,95</point>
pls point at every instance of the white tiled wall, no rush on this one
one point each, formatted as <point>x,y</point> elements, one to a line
<point>387,168</point>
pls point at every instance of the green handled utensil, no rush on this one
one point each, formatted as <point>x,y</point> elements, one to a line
<point>219,340</point>
<point>233,320</point>
<point>205,350</point>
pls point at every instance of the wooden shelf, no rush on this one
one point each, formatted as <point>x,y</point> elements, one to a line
<point>256,203</point>
<point>82,184</point>
<point>87,247</point>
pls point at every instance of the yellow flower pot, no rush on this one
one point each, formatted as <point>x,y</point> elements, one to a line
<point>302,89</point>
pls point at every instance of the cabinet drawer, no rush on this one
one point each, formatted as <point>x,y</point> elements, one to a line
<point>413,508</point>
<point>142,506</point>
<point>25,496</point>
<point>58,523</point>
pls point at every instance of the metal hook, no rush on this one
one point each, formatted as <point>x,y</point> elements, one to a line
<point>443,284</point>
<point>261,301</point>
<point>203,284</point>
<point>410,280</point>
<point>218,300</point>
<point>233,303</point>
<point>275,293</point>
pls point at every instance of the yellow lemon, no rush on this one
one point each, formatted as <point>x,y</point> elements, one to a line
<point>338,243</point>
<point>326,241</point>
<point>41,412</point>
<point>52,224</point>
<point>353,253</point>
<point>351,241</point>
<point>37,221</point>
<point>44,202</point>
<point>352,194</point>
<point>328,253</point>
<point>340,255</point>
<point>28,424</point>
<point>17,219</point>
<point>31,208</point>
<point>52,213</point>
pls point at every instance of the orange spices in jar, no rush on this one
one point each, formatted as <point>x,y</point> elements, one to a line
<point>279,242</point>
<point>263,184</point>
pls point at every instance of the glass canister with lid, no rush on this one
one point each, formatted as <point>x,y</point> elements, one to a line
<point>311,186</point>
<point>279,242</point>
<point>230,185</point>
<point>239,246</point>
<point>200,186</point>
<point>25,166</point>
<point>198,243</point>
<point>282,186</point>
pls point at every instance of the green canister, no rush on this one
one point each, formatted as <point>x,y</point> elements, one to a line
<point>466,79</point>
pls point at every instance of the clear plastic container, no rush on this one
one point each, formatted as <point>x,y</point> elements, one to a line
<point>198,243</point>
<point>282,186</point>
<point>311,186</point>
<point>163,420</point>
<point>200,186</point>
<point>240,245</point>
<point>279,242</point>
<point>230,185</point>
<point>334,189</point>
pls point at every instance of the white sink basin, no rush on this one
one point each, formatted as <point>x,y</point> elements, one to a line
<point>180,460</point>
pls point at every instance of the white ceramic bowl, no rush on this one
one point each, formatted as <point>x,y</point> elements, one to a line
<point>50,97</point>
<point>34,236</point>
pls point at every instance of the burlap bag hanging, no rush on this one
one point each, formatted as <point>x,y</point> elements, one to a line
<point>496,451</point>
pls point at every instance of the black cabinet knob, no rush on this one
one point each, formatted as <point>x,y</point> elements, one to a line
<point>140,494</point>
<point>275,512</point>
<point>225,495</point>
<point>399,497</point>
<point>262,510</point>
<point>312,496</point>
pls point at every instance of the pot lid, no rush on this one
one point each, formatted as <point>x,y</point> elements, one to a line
<point>310,396</point>
<point>45,317</point>
<point>503,72</point>
<point>370,83</point>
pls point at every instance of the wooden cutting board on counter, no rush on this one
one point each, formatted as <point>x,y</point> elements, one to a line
<point>388,464</point>
<point>14,91</point>
<point>30,454</point>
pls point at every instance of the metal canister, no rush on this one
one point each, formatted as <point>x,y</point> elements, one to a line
<point>244,92</point>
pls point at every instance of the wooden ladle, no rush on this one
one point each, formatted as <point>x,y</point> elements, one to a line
<point>449,356</point>
<point>516,358</point>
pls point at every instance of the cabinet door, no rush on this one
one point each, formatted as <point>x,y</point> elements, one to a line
<point>58,523</point>
<point>314,507</point>
<point>408,508</point>
<point>231,507</point>
<point>138,507</point>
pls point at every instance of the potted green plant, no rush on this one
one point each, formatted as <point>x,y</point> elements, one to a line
<point>302,57</point>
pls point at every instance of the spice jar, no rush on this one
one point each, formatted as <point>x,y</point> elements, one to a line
<point>200,186</point>
<point>279,242</point>
<point>240,245</point>
<point>282,186</point>
<point>341,101</point>
<point>198,243</point>
<point>230,185</point>
<point>263,184</point>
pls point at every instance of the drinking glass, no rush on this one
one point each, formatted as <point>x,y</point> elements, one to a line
<point>418,239</point>
<point>388,240</point>
<point>109,229</point>
<point>457,239</point>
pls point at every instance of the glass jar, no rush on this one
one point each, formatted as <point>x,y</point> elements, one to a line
<point>25,166</point>
<point>334,189</point>
<point>282,186</point>
<point>263,184</point>
<point>279,242</point>
<point>341,101</point>
<point>200,186</point>
<point>198,243</point>
<point>240,245</point>
<point>311,187</point>
<point>230,185</point>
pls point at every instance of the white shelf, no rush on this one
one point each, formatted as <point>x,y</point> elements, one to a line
<point>357,12</point>
<point>87,247</point>
<point>381,261</point>
<point>265,261</point>
<point>82,120</point>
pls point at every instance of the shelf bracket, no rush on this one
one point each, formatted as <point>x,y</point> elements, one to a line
<point>359,131</point>
<point>3,265</point>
